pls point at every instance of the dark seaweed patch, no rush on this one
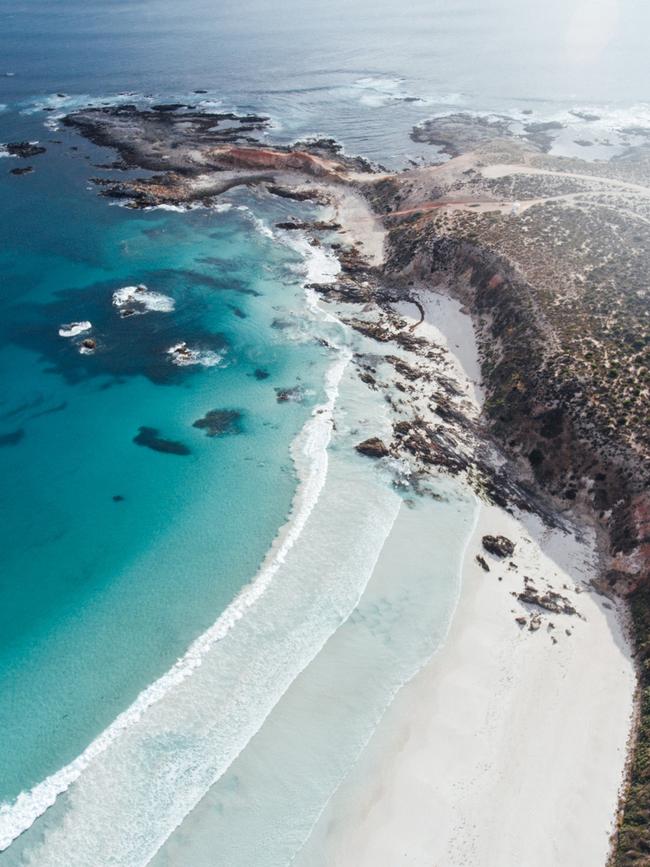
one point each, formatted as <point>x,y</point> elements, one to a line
<point>12,438</point>
<point>218,422</point>
<point>149,437</point>
<point>220,284</point>
<point>52,409</point>
<point>23,407</point>
<point>224,265</point>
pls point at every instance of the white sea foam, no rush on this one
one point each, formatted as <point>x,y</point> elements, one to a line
<point>209,105</point>
<point>140,299</point>
<point>377,91</point>
<point>178,209</point>
<point>184,356</point>
<point>258,223</point>
<point>74,328</point>
<point>453,98</point>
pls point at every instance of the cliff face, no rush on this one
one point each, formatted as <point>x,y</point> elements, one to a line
<point>536,405</point>
<point>562,324</point>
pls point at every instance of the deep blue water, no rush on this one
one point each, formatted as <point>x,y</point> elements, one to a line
<point>337,67</point>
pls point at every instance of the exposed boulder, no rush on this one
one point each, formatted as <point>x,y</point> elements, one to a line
<point>549,601</point>
<point>500,546</point>
<point>373,448</point>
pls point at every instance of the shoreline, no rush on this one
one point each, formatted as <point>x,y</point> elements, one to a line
<point>309,456</point>
<point>475,728</point>
<point>485,725</point>
<point>424,788</point>
<point>575,558</point>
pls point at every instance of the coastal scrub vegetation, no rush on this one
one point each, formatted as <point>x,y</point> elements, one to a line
<point>633,843</point>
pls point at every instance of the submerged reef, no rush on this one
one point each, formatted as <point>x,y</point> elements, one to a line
<point>151,439</point>
<point>218,422</point>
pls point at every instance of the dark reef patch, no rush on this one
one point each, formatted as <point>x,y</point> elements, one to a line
<point>125,347</point>
<point>23,407</point>
<point>219,422</point>
<point>221,284</point>
<point>12,438</point>
<point>295,394</point>
<point>150,438</point>
<point>24,149</point>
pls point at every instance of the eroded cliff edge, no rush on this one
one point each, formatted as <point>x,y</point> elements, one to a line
<point>551,256</point>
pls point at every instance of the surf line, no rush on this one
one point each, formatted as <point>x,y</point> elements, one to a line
<point>309,452</point>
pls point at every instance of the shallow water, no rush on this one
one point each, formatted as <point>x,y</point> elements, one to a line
<point>91,584</point>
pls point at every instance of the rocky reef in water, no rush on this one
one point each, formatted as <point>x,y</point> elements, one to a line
<point>200,155</point>
<point>220,422</point>
<point>151,439</point>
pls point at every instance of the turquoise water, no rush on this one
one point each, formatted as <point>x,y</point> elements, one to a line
<point>89,584</point>
<point>146,685</point>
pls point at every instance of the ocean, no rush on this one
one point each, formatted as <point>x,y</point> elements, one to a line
<point>195,643</point>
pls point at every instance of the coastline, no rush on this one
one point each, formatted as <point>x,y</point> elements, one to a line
<point>309,457</point>
<point>514,690</point>
<point>537,722</point>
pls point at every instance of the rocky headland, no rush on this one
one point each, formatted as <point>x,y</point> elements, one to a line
<point>548,255</point>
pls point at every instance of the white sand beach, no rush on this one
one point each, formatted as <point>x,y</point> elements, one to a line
<point>509,747</point>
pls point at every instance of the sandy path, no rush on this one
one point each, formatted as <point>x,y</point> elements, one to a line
<point>501,170</point>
